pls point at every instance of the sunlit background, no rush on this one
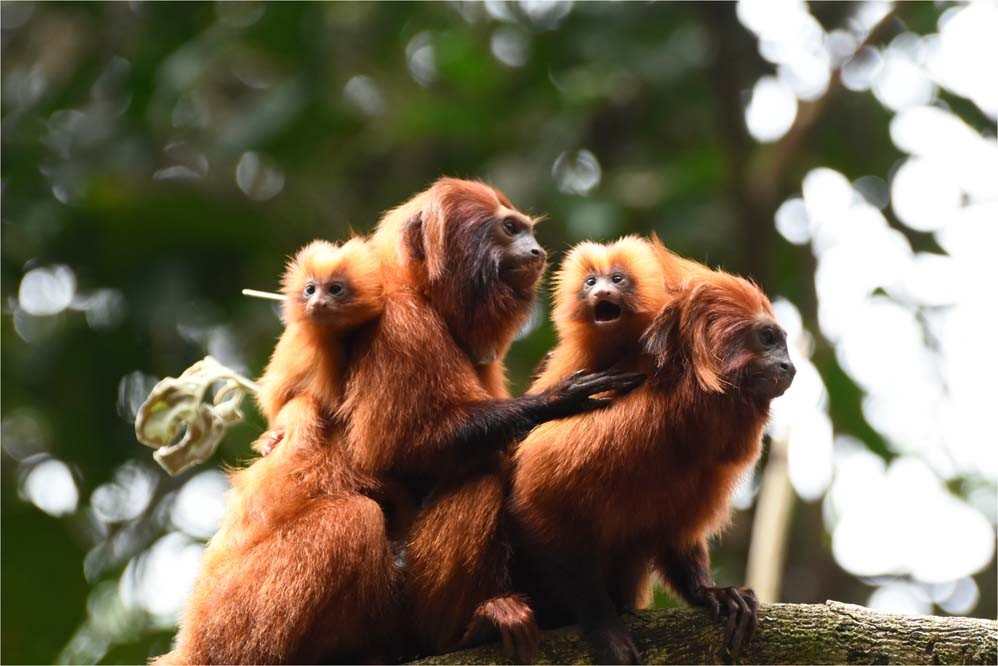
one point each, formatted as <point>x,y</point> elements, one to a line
<point>158,158</point>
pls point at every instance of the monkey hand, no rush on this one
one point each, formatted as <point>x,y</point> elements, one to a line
<point>613,644</point>
<point>268,441</point>
<point>578,392</point>
<point>739,608</point>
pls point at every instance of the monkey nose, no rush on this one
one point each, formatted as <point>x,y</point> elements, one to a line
<point>538,254</point>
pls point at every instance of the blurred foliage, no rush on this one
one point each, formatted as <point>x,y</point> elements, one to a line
<point>172,155</point>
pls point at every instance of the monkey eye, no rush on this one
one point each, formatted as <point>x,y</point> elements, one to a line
<point>767,336</point>
<point>590,281</point>
<point>309,289</point>
<point>336,288</point>
<point>509,227</point>
<point>617,278</point>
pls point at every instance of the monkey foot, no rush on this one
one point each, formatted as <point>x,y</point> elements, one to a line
<point>739,608</point>
<point>267,441</point>
<point>513,620</point>
<point>613,644</point>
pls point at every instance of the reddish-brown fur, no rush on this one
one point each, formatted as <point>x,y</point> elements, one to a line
<point>434,357</point>
<point>301,570</point>
<point>651,274</point>
<point>599,499</point>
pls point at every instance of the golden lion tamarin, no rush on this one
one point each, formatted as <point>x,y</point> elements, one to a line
<point>427,404</point>
<point>301,570</point>
<point>600,499</point>
<point>604,298</point>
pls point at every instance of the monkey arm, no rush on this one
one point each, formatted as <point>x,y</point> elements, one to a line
<point>493,424</point>
<point>687,571</point>
<point>416,405</point>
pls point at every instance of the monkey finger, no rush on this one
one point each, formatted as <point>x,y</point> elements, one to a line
<point>601,384</point>
<point>593,404</point>
<point>710,601</point>
<point>581,377</point>
<point>741,628</point>
<point>507,642</point>
<point>753,604</point>
<point>627,383</point>
<point>526,643</point>
<point>535,638</point>
<point>593,379</point>
<point>731,625</point>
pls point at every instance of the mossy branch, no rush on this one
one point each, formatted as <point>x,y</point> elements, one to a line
<point>829,633</point>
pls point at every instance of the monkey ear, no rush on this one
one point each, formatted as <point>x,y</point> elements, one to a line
<point>661,340</point>
<point>434,223</point>
<point>706,363</point>
<point>413,235</point>
<point>677,341</point>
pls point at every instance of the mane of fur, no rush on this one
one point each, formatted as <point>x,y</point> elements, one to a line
<point>439,244</point>
<point>664,459</point>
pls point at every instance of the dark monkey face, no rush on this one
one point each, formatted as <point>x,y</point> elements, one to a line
<point>521,259</point>
<point>722,330</point>
<point>770,372</point>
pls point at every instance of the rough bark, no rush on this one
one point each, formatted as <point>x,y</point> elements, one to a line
<point>829,633</point>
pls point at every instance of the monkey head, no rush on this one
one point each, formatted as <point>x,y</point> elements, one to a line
<point>333,286</point>
<point>609,288</point>
<point>472,254</point>
<point>720,330</point>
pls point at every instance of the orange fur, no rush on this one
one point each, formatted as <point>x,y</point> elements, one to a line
<point>602,498</point>
<point>301,570</point>
<point>432,365</point>
<point>309,359</point>
<point>582,342</point>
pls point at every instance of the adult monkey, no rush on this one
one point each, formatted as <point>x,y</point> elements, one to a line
<point>427,405</point>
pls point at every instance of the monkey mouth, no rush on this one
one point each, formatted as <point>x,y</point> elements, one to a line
<point>606,312</point>
<point>521,276</point>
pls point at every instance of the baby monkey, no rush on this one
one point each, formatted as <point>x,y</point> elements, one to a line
<point>286,579</point>
<point>329,292</point>
<point>605,297</point>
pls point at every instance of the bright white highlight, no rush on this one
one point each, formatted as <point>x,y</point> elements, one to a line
<point>198,508</point>
<point>772,109</point>
<point>50,486</point>
<point>47,291</point>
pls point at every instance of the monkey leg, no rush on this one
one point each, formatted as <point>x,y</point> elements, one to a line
<point>687,570</point>
<point>457,572</point>
<point>630,580</point>
<point>323,586</point>
<point>578,582</point>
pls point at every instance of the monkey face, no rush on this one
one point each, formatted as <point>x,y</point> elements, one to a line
<point>720,331</point>
<point>325,299</point>
<point>333,286</point>
<point>607,297</point>
<point>521,259</point>
<point>770,372</point>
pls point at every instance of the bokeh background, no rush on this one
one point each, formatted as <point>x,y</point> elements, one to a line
<point>157,158</point>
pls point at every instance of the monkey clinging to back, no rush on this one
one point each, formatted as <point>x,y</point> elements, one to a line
<point>301,570</point>
<point>605,297</point>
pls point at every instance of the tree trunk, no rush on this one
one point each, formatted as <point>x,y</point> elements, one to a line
<point>832,633</point>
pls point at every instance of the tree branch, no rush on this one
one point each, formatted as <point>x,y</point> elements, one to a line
<point>829,633</point>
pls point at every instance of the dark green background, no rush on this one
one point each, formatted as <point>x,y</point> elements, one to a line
<point>655,91</point>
